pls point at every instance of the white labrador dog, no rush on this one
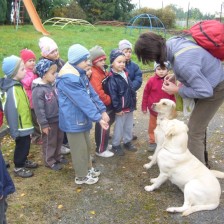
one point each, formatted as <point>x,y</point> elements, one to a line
<point>166,110</point>
<point>176,163</point>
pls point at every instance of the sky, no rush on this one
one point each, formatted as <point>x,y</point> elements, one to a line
<point>205,6</point>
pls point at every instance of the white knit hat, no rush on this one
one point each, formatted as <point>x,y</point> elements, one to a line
<point>47,45</point>
<point>167,64</point>
<point>77,53</point>
<point>124,44</point>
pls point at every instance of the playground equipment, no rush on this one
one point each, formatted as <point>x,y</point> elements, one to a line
<point>32,14</point>
<point>145,21</point>
<point>62,22</point>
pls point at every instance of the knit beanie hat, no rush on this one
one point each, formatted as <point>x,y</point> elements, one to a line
<point>97,54</point>
<point>114,54</point>
<point>43,66</point>
<point>124,44</point>
<point>10,65</point>
<point>77,53</point>
<point>26,55</point>
<point>167,64</point>
<point>47,45</point>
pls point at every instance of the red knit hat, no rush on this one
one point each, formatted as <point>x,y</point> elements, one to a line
<point>26,55</point>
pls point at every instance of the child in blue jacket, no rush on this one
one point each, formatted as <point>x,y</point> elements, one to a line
<point>79,106</point>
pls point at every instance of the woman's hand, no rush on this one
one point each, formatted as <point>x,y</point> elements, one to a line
<point>170,77</point>
<point>170,87</point>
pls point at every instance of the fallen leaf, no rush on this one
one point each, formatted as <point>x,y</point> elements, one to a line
<point>92,212</point>
<point>60,206</point>
<point>23,194</point>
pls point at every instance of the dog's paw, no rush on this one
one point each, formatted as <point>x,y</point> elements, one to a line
<point>153,180</point>
<point>147,166</point>
<point>150,157</point>
<point>171,209</point>
<point>149,188</point>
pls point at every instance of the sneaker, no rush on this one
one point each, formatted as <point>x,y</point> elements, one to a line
<point>30,164</point>
<point>64,150</point>
<point>94,172</point>
<point>130,147</point>
<point>105,154</point>
<point>86,180</point>
<point>109,147</point>
<point>63,161</point>
<point>117,150</point>
<point>23,172</point>
<point>56,167</point>
<point>152,147</point>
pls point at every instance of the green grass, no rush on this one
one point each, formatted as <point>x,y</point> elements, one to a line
<point>12,40</point>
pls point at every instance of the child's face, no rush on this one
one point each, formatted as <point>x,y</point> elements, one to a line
<point>127,52</point>
<point>101,64</point>
<point>50,75</point>
<point>30,64</point>
<point>84,64</point>
<point>119,63</point>
<point>89,72</point>
<point>54,55</point>
<point>21,72</point>
<point>161,72</point>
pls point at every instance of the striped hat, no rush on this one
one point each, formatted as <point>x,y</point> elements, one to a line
<point>77,53</point>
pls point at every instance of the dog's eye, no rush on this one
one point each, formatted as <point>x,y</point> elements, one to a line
<point>164,104</point>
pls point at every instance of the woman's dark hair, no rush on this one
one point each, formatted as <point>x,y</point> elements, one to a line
<point>151,47</point>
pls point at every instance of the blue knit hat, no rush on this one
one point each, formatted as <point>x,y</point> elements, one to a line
<point>10,65</point>
<point>114,54</point>
<point>77,53</point>
<point>43,66</point>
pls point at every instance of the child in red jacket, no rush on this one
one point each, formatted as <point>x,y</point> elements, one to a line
<point>152,94</point>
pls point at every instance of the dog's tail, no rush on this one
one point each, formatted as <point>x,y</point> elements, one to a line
<point>218,174</point>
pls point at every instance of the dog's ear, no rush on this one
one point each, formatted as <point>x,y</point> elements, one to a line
<point>173,113</point>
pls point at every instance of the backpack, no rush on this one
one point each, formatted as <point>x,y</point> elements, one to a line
<point>209,34</point>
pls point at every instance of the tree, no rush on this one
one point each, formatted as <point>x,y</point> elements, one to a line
<point>106,10</point>
<point>3,8</point>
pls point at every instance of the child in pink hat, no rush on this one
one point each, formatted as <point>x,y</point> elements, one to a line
<point>49,50</point>
<point>29,60</point>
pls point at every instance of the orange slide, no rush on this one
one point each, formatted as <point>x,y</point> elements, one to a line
<point>35,17</point>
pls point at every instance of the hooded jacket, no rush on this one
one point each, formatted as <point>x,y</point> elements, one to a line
<point>135,74</point>
<point>96,80</point>
<point>27,84</point>
<point>16,108</point>
<point>79,104</point>
<point>122,93</point>
<point>45,102</point>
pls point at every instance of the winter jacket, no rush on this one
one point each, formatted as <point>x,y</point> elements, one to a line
<point>195,68</point>
<point>79,104</point>
<point>27,84</point>
<point>16,108</point>
<point>153,93</point>
<point>122,93</point>
<point>96,81</point>
<point>45,101</point>
<point>135,74</point>
<point>6,184</point>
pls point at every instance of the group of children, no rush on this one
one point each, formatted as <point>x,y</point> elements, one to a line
<point>61,100</point>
